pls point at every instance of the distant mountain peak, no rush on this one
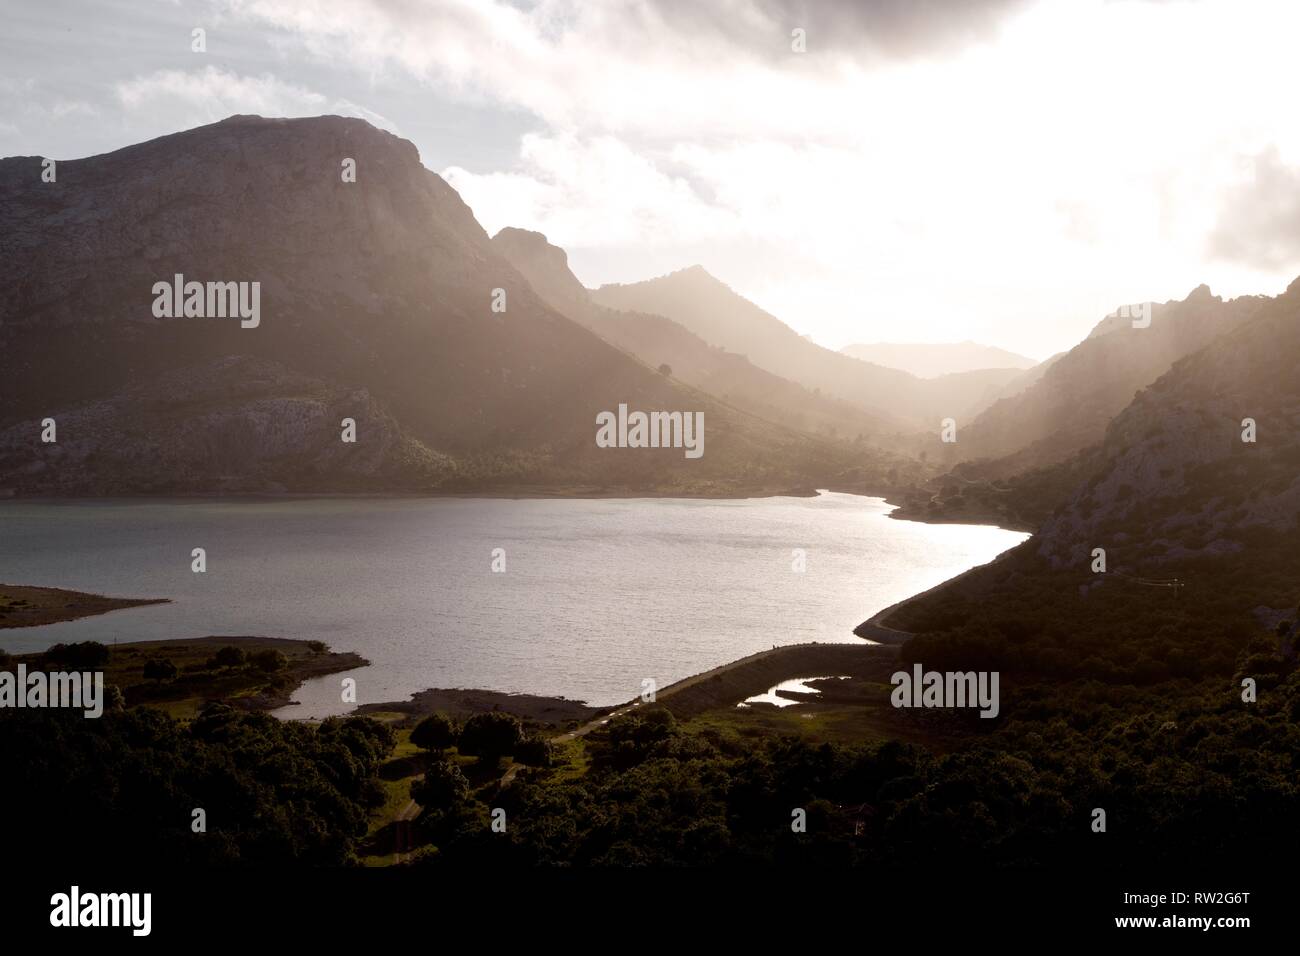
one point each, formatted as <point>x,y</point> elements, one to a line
<point>927,360</point>
<point>515,233</point>
<point>697,273</point>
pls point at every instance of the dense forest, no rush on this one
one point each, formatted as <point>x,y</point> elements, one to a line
<point>226,788</point>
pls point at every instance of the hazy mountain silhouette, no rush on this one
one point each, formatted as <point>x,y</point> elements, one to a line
<point>931,361</point>
<point>1077,394</point>
<point>376,304</point>
<point>657,341</point>
<point>1173,499</point>
<point>717,314</point>
<point>1027,487</point>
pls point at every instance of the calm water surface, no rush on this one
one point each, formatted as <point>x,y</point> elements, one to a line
<point>596,595</point>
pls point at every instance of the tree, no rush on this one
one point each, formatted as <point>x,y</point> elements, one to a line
<point>666,369</point>
<point>435,732</point>
<point>441,787</point>
<point>229,657</point>
<point>269,660</point>
<point>86,655</point>
<point>490,736</point>
<point>534,750</point>
<point>160,669</point>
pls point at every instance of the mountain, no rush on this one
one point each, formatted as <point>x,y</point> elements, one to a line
<point>1074,398</point>
<point>963,395</point>
<point>721,317</point>
<point>1197,528</point>
<point>1174,478</point>
<point>718,315</point>
<point>375,303</point>
<point>657,340</point>
<point>931,361</point>
<point>226,425</point>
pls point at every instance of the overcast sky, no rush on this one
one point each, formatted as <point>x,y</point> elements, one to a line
<point>1006,171</point>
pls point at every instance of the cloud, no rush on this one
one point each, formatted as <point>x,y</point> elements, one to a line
<point>636,69</point>
<point>956,167</point>
<point>592,191</point>
<point>189,98</point>
<point>1259,223</point>
<point>891,29</point>
<point>31,105</point>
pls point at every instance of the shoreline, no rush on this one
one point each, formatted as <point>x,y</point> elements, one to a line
<point>197,681</point>
<point>898,512</point>
<point>875,625</point>
<point>28,605</point>
<point>523,493</point>
<point>718,686</point>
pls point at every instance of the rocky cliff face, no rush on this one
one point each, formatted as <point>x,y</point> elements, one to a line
<point>546,267</point>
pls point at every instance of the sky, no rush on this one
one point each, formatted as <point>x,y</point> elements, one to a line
<point>1003,171</point>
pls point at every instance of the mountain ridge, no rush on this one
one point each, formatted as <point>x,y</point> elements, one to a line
<point>712,310</point>
<point>658,341</point>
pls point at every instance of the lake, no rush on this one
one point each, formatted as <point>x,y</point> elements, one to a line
<point>596,595</point>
